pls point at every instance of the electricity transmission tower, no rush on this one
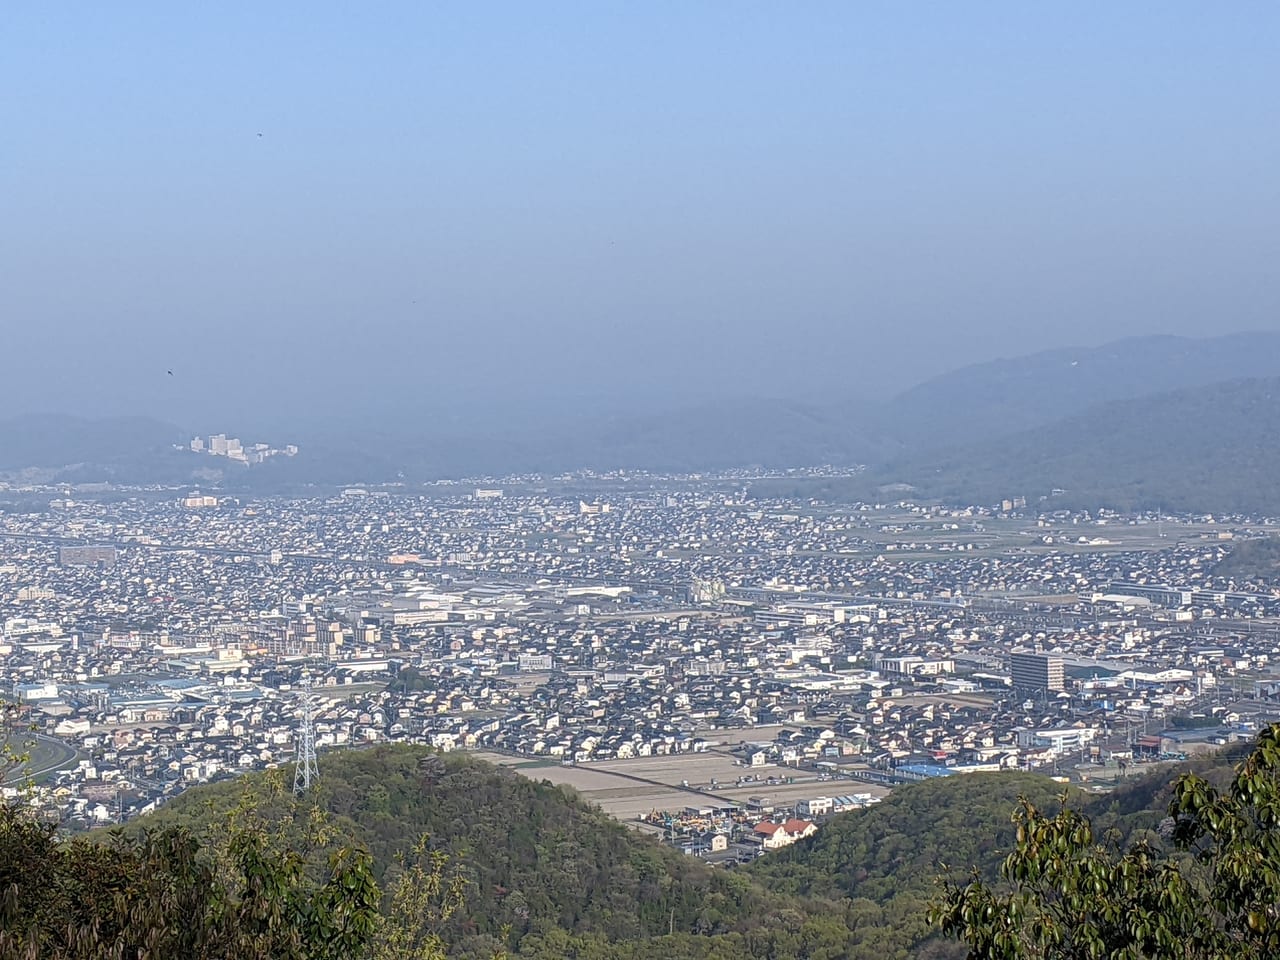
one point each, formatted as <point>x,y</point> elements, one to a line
<point>305,770</point>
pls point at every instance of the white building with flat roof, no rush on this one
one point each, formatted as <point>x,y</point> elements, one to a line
<point>1059,740</point>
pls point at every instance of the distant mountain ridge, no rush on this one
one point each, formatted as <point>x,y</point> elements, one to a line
<point>56,440</point>
<point>973,403</point>
<point>1007,396</point>
<point>1211,449</point>
<point>922,437</point>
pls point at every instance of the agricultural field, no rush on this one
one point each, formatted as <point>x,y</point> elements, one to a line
<point>617,794</point>
<point>626,789</point>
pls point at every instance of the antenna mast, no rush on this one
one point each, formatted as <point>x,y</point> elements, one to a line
<point>305,770</point>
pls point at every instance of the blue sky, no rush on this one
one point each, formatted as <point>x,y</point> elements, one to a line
<point>636,203</point>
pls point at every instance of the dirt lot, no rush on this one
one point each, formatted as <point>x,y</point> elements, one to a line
<point>619,796</point>
<point>626,789</point>
<point>729,738</point>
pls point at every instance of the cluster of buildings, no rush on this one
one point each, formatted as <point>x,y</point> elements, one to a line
<point>616,619</point>
<point>220,445</point>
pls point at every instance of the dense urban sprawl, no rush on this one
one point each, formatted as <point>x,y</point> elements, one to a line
<point>724,670</point>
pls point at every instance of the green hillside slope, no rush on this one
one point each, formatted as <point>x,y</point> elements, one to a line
<point>887,859</point>
<point>546,874</point>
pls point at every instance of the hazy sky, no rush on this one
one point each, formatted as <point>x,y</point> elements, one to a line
<point>311,206</point>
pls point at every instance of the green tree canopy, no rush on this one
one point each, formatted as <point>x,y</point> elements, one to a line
<point>1204,884</point>
<point>269,883</point>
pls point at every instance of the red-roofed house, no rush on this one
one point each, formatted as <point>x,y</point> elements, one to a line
<point>799,829</point>
<point>776,835</point>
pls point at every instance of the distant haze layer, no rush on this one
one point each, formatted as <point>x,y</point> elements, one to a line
<point>432,211</point>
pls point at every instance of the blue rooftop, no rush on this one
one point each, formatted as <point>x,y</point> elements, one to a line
<point>925,770</point>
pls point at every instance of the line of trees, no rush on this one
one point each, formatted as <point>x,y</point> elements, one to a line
<point>253,890</point>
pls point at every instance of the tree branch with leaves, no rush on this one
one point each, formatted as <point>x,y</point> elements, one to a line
<point>1209,889</point>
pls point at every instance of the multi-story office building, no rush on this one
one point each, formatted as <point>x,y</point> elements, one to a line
<point>1037,673</point>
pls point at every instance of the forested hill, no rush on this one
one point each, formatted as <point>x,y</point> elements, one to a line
<point>985,400</point>
<point>886,860</point>
<point>1213,449</point>
<point>548,876</point>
